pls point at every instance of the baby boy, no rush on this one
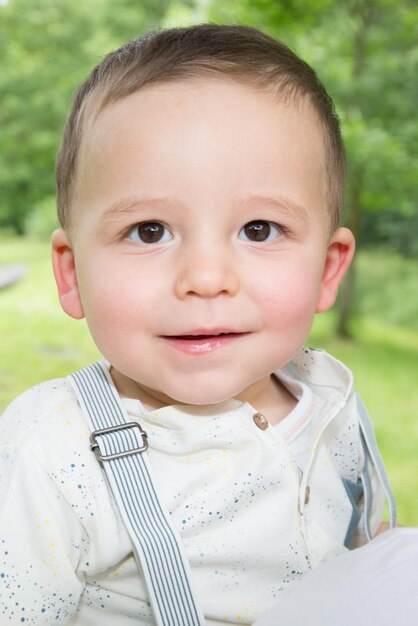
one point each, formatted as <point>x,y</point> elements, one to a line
<point>200,188</point>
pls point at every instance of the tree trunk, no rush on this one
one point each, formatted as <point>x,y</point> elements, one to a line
<point>363,9</point>
<point>346,301</point>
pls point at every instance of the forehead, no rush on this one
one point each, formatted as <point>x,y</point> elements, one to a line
<point>206,95</point>
<point>199,131</point>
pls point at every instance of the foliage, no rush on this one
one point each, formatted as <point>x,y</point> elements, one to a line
<point>387,288</point>
<point>47,47</point>
<point>42,220</point>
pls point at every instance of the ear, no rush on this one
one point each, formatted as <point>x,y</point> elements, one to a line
<point>339,256</point>
<point>65,274</point>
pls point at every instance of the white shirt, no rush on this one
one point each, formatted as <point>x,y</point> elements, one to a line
<point>255,509</point>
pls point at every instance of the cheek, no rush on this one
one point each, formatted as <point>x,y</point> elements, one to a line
<point>288,297</point>
<point>115,299</point>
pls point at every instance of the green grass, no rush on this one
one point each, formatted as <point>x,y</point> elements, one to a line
<point>38,341</point>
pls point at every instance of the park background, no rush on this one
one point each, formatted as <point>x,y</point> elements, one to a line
<point>365,51</point>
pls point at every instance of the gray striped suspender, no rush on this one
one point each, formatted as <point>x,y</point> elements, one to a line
<point>120,446</point>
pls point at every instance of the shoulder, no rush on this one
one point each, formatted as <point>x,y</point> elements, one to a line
<point>40,410</point>
<point>45,454</point>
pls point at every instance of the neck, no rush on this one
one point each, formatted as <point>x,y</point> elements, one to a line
<point>268,396</point>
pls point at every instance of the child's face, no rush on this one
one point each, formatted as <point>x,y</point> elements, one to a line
<point>219,284</point>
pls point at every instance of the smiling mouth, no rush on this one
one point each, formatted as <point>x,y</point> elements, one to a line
<point>204,336</point>
<point>202,343</point>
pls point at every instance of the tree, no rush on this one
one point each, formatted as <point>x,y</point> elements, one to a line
<point>47,47</point>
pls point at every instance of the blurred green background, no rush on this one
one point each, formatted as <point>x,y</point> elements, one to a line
<point>366,52</point>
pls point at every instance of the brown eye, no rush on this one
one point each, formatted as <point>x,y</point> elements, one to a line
<point>259,230</point>
<point>150,232</point>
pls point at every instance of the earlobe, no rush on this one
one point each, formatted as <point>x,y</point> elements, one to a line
<point>65,274</point>
<point>339,256</point>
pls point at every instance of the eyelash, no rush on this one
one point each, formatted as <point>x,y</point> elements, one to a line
<point>257,227</point>
<point>136,229</point>
<point>280,230</point>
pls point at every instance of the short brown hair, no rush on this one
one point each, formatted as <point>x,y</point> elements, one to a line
<point>240,52</point>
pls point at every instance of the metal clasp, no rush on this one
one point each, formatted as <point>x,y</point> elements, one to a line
<point>94,446</point>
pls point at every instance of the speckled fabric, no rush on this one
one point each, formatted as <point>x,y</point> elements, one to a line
<point>255,508</point>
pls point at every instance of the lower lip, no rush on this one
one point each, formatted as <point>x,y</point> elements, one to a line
<point>202,345</point>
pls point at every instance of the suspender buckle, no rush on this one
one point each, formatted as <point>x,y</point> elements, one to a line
<point>94,445</point>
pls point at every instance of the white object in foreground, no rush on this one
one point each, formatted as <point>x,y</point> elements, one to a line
<point>375,584</point>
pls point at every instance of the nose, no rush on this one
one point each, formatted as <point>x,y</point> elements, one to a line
<point>206,275</point>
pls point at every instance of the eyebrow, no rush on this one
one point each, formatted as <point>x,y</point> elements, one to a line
<point>287,206</point>
<point>131,205</point>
